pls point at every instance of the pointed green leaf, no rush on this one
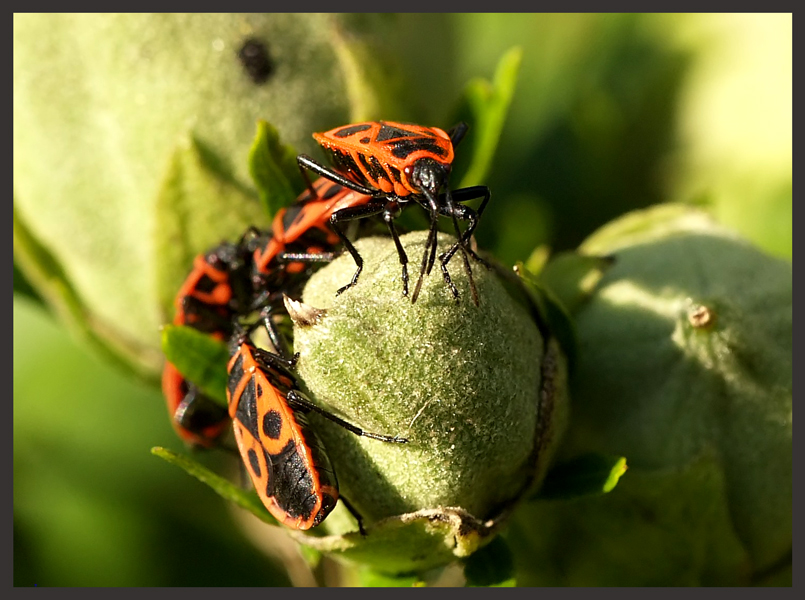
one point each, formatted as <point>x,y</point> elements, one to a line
<point>554,313</point>
<point>491,566</point>
<point>485,106</point>
<point>572,277</point>
<point>198,206</point>
<point>586,475</point>
<point>274,169</point>
<point>200,358</point>
<point>537,260</point>
<point>224,488</point>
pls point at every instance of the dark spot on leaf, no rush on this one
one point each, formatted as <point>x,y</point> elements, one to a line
<point>387,132</point>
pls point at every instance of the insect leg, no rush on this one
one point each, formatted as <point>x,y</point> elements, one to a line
<point>298,400</point>
<point>314,257</point>
<point>352,213</point>
<point>278,358</point>
<point>430,244</point>
<point>355,514</point>
<point>274,359</point>
<point>464,256</point>
<point>468,214</point>
<point>308,164</point>
<point>277,340</point>
<point>391,212</point>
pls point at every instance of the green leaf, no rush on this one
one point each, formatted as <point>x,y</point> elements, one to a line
<point>485,105</point>
<point>200,358</point>
<point>572,277</point>
<point>554,313</point>
<point>246,500</point>
<point>273,168</point>
<point>537,260</point>
<point>586,475</point>
<point>491,566</point>
<point>368,577</point>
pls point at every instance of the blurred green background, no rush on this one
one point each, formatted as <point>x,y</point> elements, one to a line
<point>611,113</point>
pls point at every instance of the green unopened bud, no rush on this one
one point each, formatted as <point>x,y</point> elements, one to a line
<point>685,369</point>
<point>475,390</point>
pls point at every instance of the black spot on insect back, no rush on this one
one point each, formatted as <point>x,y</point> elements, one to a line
<point>253,56</point>
<point>294,489</point>
<point>254,463</point>
<point>352,130</point>
<point>235,375</point>
<point>344,163</point>
<point>246,412</point>
<point>373,167</point>
<point>402,148</point>
<point>395,173</point>
<point>387,132</point>
<point>272,424</point>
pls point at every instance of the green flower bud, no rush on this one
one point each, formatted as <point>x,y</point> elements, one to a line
<point>131,139</point>
<point>476,390</point>
<point>684,368</point>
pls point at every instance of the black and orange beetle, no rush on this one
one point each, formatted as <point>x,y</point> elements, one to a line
<point>285,458</point>
<point>396,163</point>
